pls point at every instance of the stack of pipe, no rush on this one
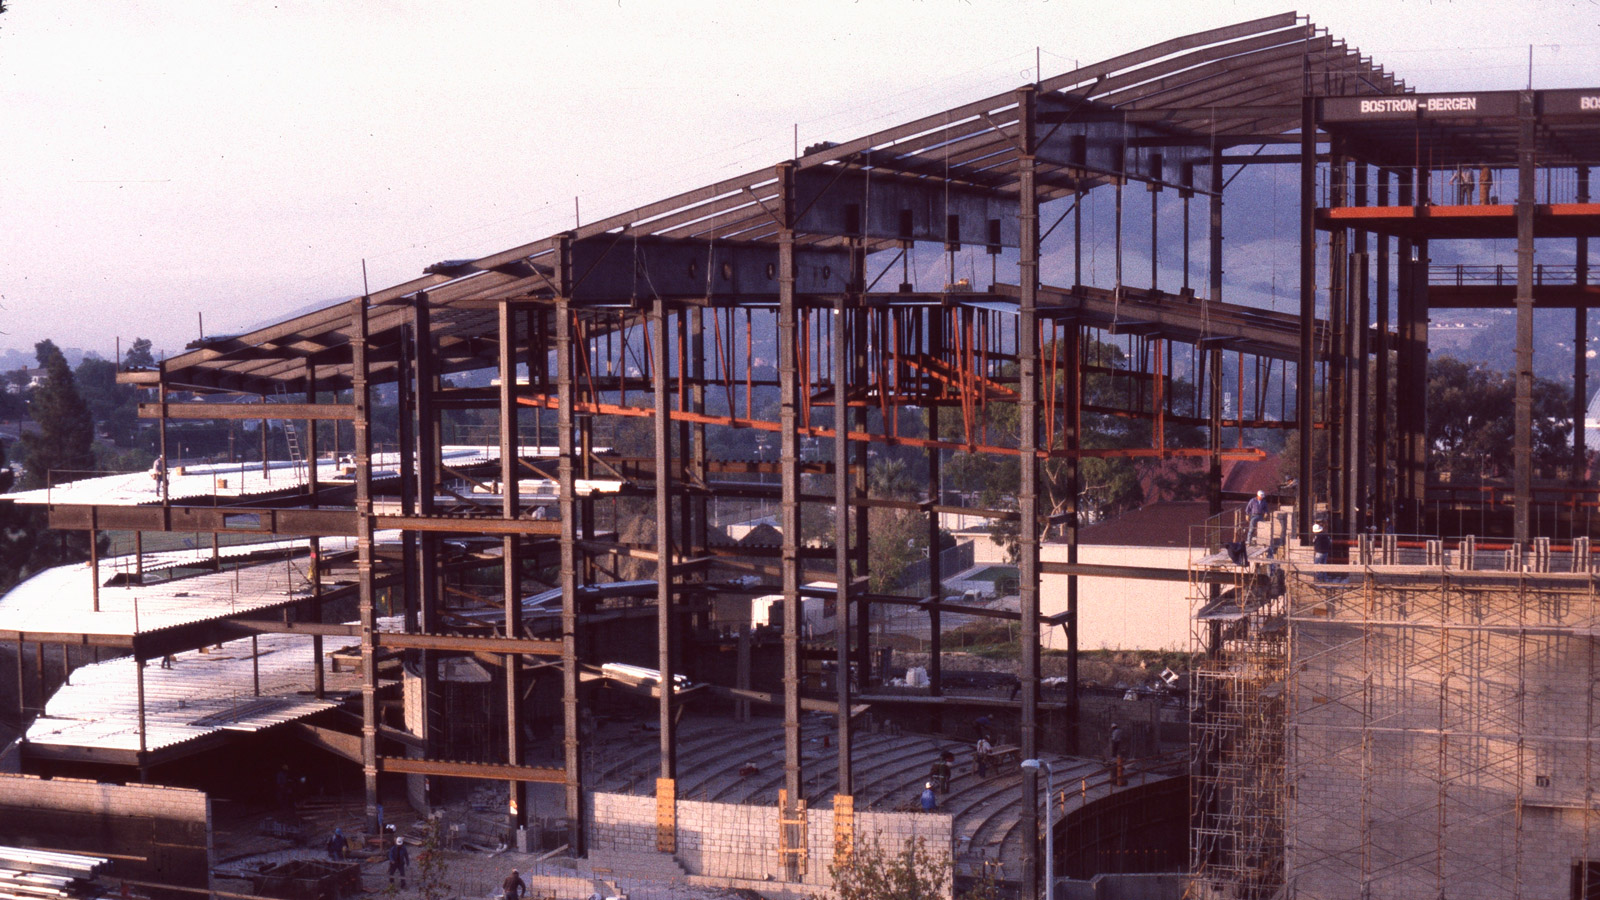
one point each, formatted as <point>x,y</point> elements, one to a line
<point>41,874</point>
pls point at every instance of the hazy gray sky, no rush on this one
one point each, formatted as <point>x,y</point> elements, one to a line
<point>242,158</point>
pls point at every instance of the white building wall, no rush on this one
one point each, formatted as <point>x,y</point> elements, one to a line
<point>1120,613</point>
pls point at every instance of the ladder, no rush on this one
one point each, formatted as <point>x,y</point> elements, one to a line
<point>291,436</point>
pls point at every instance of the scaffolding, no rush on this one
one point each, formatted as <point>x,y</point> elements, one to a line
<point>1236,724</point>
<point>1418,722</point>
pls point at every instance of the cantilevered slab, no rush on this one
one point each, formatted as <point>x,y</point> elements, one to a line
<point>58,604</point>
<point>191,706</point>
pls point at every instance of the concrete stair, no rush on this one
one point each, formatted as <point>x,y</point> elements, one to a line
<point>615,869</point>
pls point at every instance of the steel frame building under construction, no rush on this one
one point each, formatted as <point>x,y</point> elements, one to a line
<point>654,314</point>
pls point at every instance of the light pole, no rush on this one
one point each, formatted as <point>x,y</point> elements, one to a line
<point>1049,826</point>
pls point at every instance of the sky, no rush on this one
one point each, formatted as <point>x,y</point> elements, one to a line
<point>245,160</point>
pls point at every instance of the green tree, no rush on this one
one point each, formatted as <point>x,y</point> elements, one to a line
<point>872,872</point>
<point>113,407</point>
<point>65,440</point>
<point>26,543</point>
<point>139,355</point>
<point>1471,420</point>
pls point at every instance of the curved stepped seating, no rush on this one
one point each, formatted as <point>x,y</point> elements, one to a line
<point>636,758</point>
<point>889,772</point>
<point>618,754</point>
<point>707,768</point>
<point>900,775</point>
<point>987,817</point>
<point>763,788</point>
<point>870,754</point>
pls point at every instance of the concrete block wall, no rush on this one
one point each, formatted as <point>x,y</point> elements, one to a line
<point>739,842</point>
<point>168,828</point>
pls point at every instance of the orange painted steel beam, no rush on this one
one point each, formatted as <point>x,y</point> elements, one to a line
<point>733,422</point>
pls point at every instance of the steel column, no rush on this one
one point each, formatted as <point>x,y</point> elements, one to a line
<point>1522,451</point>
<point>566,471</point>
<point>1580,359</point>
<point>1028,490</point>
<point>427,440</point>
<point>789,465</point>
<point>361,400</point>
<point>841,533</point>
<point>935,335</point>
<point>1382,496</point>
<point>511,558</point>
<point>1305,369</point>
<point>314,567</point>
<point>1335,395</point>
<point>1072,431</point>
<point>665,539</point>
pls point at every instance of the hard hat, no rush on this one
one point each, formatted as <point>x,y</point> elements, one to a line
<point>1316,529</point>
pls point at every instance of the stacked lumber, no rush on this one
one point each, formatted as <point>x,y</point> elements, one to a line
<point>42,874</point>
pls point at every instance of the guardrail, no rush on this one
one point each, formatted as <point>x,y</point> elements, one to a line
<point>1499,275</point>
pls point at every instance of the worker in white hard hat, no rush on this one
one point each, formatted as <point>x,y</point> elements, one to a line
<point>398,860</point>
<point>1256,509</point>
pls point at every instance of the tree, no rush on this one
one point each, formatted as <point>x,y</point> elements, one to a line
<point>113,407</point>
<point>26,543</point>
<point>139,355</point>
<point>65,439</point>
<point>1471,420</point>
<point>871,872</point>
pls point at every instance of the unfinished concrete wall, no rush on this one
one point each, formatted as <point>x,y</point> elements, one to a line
<point>152,833</point>
<point>739,842</point>
<point>1443,735</point>
<point>1119,613</point>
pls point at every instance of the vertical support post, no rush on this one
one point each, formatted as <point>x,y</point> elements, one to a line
<point>405,402</point>
<point>699,471</point>
<point>789,474</point>
<point>94,555</point>
<point>361,399</point>
<point>841,531</point>
<point>1072,431</point>
<point>1580,360</point>
<point>566,471</point>
<point>511,559</point>
<point>22,689</point>
<point>314,567</point>
<point>1214,353</point>
<point>666,623</point>
<point>1028,489</point>
<point>165,462</point>
<point>1382,495</point>
<point>1408,370</point>
<point>935,336</point>
<point>1522,450</point>
<point>1357,316</point>
<point>1305,369</point>
<point>1335,394</point>
<point>427,587</point>
<point>138,671</point>
<point>861,533</point>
